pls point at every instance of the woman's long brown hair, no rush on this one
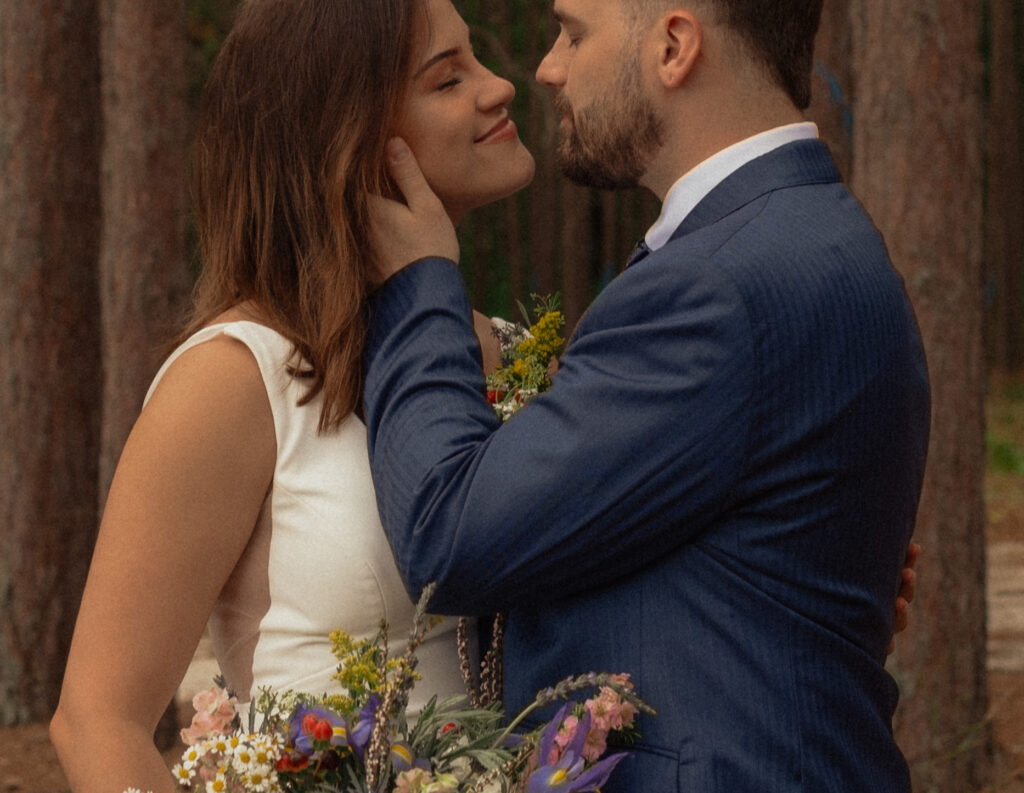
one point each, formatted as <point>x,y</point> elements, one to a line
<point>290,145</point>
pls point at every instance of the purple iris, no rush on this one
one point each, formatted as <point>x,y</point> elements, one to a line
<point>316,724</point>
<point>402,757</point>
<point>360,728</point>
<point>569,774</point>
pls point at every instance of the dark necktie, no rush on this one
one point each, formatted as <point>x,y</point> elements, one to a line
<point>639,252</point>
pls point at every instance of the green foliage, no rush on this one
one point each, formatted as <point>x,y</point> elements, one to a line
<point>208,24</point>
<point>1004,435</point>
<point>1004,457</point>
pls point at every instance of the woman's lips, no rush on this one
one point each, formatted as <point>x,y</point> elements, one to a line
<point>502,131</point>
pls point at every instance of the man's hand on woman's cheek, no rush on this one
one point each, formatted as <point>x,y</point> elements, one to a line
<point>417,229</point>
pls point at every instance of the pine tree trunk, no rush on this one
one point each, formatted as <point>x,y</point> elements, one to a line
<point>144,277</point>
<point>143,274</point>
<point>832,87</point>
<point>49,349</point>
<point>541,135</point>
<point>576,255</point>
<point>918,134</point>
<point>1004,208</point>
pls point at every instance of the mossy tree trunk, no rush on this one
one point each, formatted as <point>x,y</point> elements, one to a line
<point>918,141</point>
<point>49,330</point>
<point>144,277</point>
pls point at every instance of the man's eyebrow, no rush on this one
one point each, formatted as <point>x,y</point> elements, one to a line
<point>563,18</point>
<point>437,59</point>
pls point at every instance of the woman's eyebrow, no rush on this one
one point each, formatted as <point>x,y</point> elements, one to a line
<point>437,58</point>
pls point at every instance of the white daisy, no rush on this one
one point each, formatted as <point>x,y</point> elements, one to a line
<point>182,774</point>
<point>191,757</point>
<point>259,780</point>
<point>243,759</point>
<point>218,784</point>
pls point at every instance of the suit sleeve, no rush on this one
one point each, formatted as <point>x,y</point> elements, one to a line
<point>632,452</point>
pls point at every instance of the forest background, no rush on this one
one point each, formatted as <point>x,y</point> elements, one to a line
<point>921,103</point>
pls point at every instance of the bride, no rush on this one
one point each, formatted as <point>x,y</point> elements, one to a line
<point>243,495</point>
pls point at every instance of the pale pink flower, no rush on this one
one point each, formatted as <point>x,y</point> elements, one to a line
<point>566,732</point>
<point>600,712</point>
<point>609,711</point>
<point>622,680</point>
<point>215,710</point>
<point>412,781</point>
<point>595,744</point>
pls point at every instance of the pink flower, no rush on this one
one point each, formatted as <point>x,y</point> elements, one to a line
<point>215,710</point>
<point>412,781</point>
<point>564,736</point>
<point>609,711</point>
<point>595,744</point>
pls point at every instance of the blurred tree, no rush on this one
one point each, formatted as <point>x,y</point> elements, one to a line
<point>49,339</point>
<point>917,166</point>
<point>144,278</point>
<point>1004,205</point>
<point>832,86</point>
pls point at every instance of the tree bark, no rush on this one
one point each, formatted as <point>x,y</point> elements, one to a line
<point>918,132</point>
<point>576,236</point>
<point>49,350</point>
<point>832,84</point>
<point>144,279</point>
<point>541,137</point>
<point>1004,208</point>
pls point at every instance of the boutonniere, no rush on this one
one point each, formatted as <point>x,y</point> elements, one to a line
<point>529,357</point>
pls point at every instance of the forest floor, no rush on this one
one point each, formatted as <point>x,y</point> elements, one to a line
<point>28,763</point>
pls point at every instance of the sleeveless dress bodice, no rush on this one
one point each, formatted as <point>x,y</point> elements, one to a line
<point>318,558</point>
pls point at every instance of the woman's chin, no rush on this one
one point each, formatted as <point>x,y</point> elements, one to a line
<point>458,206</point>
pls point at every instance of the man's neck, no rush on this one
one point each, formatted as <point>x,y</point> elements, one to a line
<point>691,188</point>
<point>697,134</point>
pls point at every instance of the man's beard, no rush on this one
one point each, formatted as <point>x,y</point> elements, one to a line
<point>610,143</point>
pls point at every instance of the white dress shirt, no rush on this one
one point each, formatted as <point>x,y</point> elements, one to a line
<point>696,183</point>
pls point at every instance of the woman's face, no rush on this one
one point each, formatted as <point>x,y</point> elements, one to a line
<point>455,118</point>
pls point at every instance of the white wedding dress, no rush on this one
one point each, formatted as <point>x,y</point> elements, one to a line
<point>318,559</point>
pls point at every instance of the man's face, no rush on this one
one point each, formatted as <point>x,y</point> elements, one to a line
<point>609,130</point>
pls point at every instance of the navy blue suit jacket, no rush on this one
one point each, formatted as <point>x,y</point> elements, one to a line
<point>715,496</point>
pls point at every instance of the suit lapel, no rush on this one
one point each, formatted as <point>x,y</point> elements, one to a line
<point>802,162</point>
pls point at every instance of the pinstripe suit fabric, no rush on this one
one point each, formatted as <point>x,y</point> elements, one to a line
<point>715,496</point>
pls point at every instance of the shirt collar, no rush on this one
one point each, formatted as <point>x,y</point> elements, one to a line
<point>691,187</point>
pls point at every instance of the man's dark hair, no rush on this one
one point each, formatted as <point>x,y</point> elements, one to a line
<point>779,35</point>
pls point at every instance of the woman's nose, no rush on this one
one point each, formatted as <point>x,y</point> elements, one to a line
<point>497,92</point>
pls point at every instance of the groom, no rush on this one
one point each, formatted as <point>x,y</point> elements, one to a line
<point>717,493</point>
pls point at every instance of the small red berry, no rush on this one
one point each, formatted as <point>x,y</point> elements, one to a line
<point>323,731</point>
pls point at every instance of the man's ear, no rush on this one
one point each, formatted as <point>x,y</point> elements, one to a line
<point>681,40</point>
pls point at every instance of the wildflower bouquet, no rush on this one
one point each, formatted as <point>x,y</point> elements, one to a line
<point>526,357</point>
<point>362,742</point>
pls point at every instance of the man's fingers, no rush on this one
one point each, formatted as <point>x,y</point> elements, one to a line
<point>418,229</point>
<point>908,585</point>
<point>900,622</point>
<point>908,578</point>
<point>408,177</point>
<point>913,553</point>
